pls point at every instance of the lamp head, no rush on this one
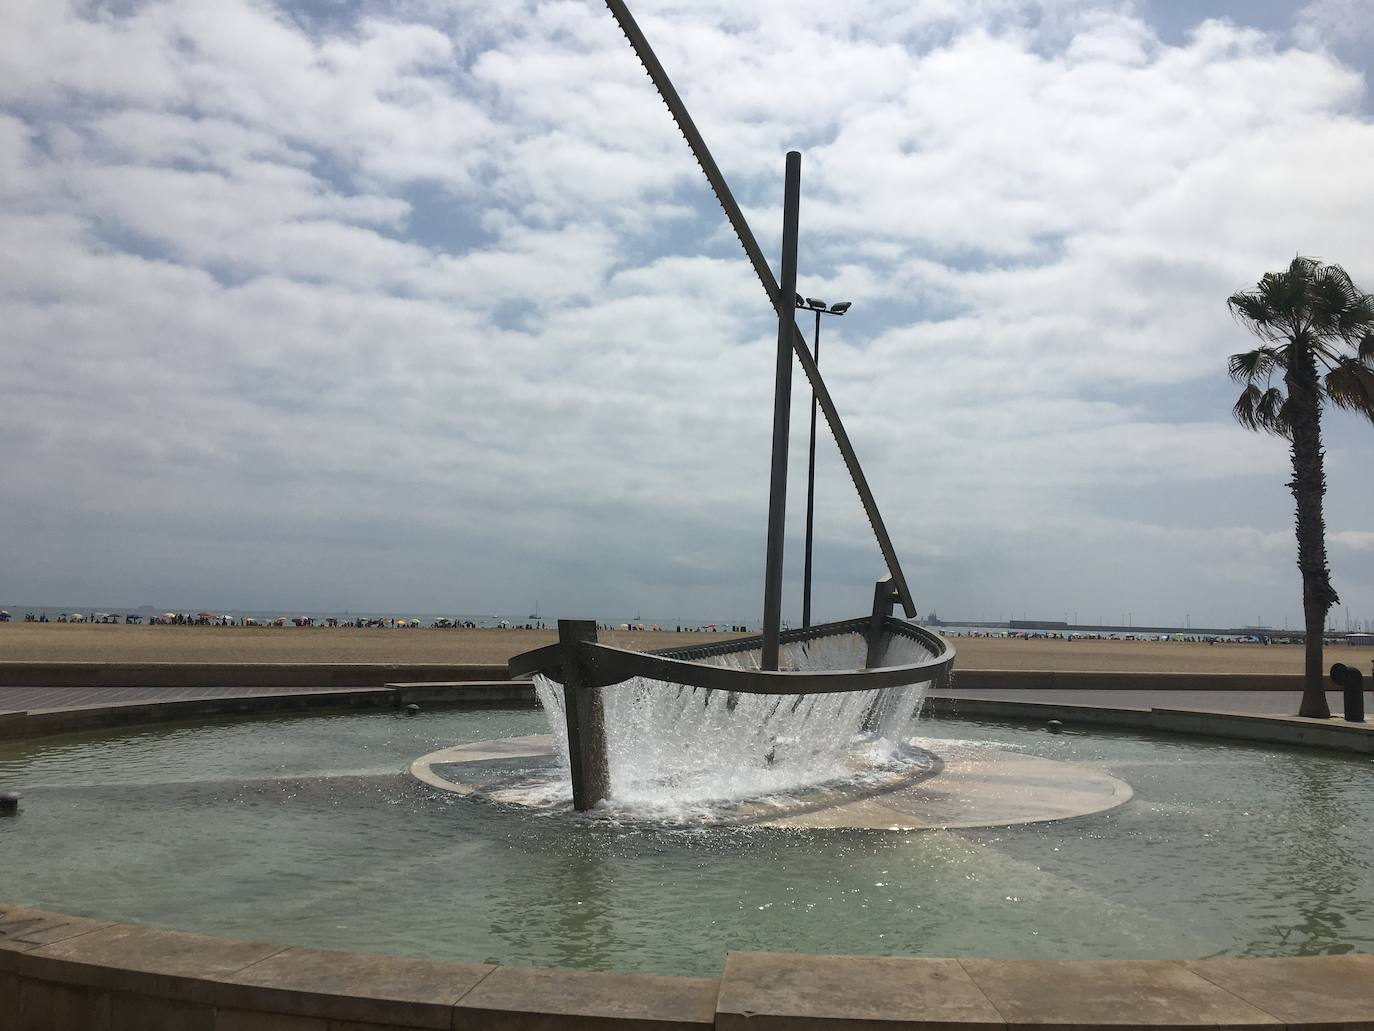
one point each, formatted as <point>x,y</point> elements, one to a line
<point>814,304</point>
<point>841,308</point>
<point>800,303</point>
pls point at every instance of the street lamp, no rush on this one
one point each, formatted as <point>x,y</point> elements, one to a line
<point>819,307</point>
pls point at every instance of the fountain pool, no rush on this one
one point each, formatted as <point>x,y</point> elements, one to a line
<point>309,831</point>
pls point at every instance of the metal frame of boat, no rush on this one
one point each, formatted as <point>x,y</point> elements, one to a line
<point>603,665</point>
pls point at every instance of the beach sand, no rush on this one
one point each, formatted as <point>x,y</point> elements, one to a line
<point>67,642</point>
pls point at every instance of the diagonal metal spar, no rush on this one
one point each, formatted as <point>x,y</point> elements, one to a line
<point>688,128</point>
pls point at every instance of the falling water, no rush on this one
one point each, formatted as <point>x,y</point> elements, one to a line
<point>671,746</point>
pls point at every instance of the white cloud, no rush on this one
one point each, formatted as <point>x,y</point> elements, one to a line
<point>432,307</point>
<point>1326,23</point>
<point>16,171</point>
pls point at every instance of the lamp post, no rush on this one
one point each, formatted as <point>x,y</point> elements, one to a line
<point>819,307</point>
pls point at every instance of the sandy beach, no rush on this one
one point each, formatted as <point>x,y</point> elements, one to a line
<point>58,642</point>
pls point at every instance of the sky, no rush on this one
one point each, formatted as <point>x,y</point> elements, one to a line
<point>424,305</point>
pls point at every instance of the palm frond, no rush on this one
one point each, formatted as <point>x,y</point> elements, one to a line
<point>1309,315</point>
<point>1249,308</point>
<point>1264,411</point>
<point>1332,298</point>
<point>1304,268</point>
<point>1244,408</point>
<point>1351,386</point>
<point>1273,413</point>
<point>1285,295</point>
<point>1347,329</point>
<point>1357,321</point>
<point>1249,366</point>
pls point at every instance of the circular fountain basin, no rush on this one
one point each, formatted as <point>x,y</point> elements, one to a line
<point>310,831</point>
<point>964,788</point>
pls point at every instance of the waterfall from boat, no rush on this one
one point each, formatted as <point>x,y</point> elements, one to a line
<point>670,745</point>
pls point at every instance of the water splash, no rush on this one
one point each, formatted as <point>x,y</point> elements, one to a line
<point>671,746</point>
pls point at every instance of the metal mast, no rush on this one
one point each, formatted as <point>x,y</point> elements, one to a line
<point>782,410</point>
<point>780,302</point>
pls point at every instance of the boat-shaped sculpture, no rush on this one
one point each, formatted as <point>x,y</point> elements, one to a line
<point>896,654</point>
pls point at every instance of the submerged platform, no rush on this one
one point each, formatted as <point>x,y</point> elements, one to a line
<point>963,787</point>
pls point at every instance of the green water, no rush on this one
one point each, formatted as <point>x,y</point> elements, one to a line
<point>307,831</point>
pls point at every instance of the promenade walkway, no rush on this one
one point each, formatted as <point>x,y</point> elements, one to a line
<point>18,699</point>
<point>1281,702</point>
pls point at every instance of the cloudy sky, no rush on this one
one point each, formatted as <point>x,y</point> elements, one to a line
<point>424,305</point>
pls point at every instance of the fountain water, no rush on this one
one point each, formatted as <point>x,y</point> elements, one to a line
<point>671,745</point>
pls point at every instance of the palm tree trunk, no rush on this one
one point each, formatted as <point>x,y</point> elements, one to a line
<point>1309,487</point>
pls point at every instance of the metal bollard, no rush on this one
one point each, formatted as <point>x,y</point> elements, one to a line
<point>1351,682</point>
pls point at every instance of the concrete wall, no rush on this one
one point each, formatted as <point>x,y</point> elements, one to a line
<point>1333,734</point>
<point>59,973</point>
<point>239,674</point>
<point>34,723</point>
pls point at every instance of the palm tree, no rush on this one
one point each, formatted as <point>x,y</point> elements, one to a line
<point>1317,330</point>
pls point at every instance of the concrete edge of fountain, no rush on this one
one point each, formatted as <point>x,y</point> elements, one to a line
<point>59,970</point>
<point>967,789</point>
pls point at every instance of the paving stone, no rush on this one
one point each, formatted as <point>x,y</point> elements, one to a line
<point>23,929</point>
<point>768,990</point>
<point>1308,992</point>
<point>143,960</point>
<point>348,986</point>
<point>1116,994</point>
<point>554,999</point>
